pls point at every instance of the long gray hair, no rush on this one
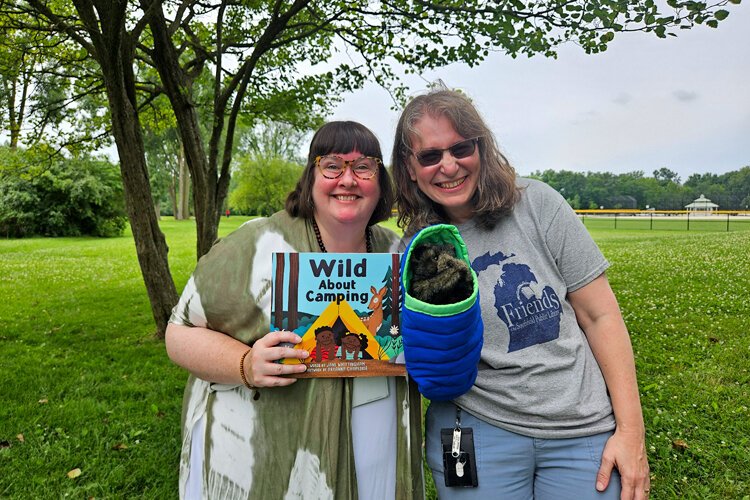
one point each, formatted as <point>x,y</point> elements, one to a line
<point>496,192</point>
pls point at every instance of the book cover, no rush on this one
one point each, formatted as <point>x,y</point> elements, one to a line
<point>345,306</point>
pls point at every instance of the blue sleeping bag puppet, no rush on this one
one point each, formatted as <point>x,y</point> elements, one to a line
<point>441,323</point>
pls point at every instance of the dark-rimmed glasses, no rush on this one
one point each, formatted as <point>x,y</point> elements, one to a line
<point>332,166</point>
<point>461,149</point>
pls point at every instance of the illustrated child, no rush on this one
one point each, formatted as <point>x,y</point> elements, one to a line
<point>325,345</point>
<point>352,346</point>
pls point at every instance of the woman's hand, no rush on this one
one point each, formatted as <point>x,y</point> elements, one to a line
<point>626,451</point>
<point>261,368</point>
<point>599,316</point>
<point>215,357</point>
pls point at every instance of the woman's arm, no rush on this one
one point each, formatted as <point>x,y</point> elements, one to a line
<point>215,357</point>
<point>599,315</point>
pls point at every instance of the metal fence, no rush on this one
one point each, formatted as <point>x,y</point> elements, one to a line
<point>674,220</point>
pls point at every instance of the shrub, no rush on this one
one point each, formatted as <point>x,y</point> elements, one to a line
<point>65,197</point>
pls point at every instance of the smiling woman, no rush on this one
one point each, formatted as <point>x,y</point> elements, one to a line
<point>446,169</point>
<point>241,407</point>
<point>344,197</point>
<point>556,378</point>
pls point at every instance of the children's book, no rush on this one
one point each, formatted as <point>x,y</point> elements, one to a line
<point>345,307</point>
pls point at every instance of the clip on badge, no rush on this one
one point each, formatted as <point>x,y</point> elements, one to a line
<point>458,455</point>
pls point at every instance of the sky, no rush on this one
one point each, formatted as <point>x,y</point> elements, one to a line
<point>682,103</point>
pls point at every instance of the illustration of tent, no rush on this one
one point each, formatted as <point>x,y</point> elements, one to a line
<point>340,313</point>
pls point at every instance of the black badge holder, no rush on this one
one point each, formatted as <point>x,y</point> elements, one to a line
<point>459,462</point>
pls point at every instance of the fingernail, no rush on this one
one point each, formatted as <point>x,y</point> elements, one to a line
<point>599,486</point>
<point>305,354</point>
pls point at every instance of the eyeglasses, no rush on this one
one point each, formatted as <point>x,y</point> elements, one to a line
<point>432,156</point>
<point>333,167</point>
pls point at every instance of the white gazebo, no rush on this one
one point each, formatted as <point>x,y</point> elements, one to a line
<point>702,204</point>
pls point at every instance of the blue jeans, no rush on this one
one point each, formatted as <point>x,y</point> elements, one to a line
<point>511,466</point>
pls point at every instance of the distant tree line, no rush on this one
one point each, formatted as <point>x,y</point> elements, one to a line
<point>663,191</point>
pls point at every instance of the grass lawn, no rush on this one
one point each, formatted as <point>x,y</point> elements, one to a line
<point>86,386</point>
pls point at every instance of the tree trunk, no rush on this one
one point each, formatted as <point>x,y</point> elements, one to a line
<point>207,224</point>
<point>204,176</point>
<point>150,244</point>
<point>173,195</point>
<point>184,186</point>
<point>13,126</point>
<point>115,55</point>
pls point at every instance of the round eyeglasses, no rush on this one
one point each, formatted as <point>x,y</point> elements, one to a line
<point>432,156</point>
<point>333,167</point>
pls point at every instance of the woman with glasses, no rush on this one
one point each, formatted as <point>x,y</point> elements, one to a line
<point>249,431</point>
<point>554,410</point>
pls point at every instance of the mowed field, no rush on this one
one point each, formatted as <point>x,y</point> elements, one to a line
<point>90,404</point>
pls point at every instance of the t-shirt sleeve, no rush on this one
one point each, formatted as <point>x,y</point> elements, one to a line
<point>577,256</point>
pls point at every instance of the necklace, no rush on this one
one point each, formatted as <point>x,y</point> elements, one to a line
<point>368,238</point>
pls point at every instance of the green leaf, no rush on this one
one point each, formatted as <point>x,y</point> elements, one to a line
<point>721,14</point>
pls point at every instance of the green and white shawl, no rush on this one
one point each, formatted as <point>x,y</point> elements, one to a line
<point>290,442</point>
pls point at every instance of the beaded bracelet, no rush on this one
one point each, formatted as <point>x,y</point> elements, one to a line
<point>242,371</point>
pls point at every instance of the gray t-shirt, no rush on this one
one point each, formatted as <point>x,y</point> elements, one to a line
<point>537,374</point>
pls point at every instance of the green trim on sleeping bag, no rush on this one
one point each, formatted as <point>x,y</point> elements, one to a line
<point>440,234</point>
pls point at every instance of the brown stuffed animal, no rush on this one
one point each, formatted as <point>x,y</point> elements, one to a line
<point>438,277</point>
